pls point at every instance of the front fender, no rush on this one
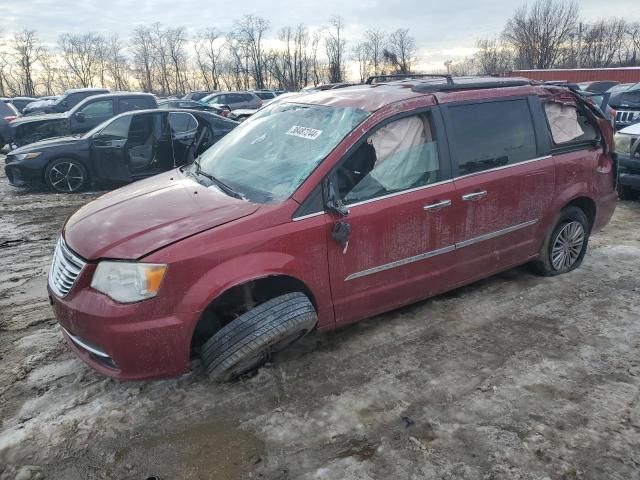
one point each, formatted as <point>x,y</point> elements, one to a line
<point>254,266</point>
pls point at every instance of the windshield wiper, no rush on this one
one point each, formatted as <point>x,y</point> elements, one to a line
<point>219,183</point>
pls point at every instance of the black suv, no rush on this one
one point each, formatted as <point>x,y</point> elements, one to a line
<point>67,101</point>
<point>83,117</point>
<point>627,106</point>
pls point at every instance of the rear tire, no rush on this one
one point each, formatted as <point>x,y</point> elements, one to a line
<point>66,175</point>
<point>566,245</point>
<point>249,340</point>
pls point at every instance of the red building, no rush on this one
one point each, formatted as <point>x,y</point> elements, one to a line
<point>576,75</point>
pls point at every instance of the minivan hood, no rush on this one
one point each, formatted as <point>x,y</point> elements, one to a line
<point>140,218</point>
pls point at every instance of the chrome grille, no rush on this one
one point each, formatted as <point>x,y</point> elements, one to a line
<point>65,268</point>
<point>627,116</point>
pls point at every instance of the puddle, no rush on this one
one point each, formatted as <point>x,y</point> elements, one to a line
<point>204,451</point>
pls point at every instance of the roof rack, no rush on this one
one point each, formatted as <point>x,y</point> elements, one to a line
<point>402,76</point>
<point>470,83</point>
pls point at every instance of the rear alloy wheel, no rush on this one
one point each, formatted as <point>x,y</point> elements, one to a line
<point>249,340</point>
<point>66,175</point>
<point>566,246</point>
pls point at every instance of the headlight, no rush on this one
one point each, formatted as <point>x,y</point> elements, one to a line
<point>128,282</point>
<point>622,144</point>
<point>26,156</point>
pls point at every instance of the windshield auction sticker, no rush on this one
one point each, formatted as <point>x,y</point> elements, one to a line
<point>304,132</point>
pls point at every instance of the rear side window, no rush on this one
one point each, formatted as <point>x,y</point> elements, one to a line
<point>568,124</point>
<point>492,134</point>
<point>128,104</point>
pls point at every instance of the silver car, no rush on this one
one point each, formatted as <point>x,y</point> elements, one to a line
<point>234,100</point>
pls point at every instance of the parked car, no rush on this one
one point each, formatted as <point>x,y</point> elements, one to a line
<point>193,105</point>
<point>21,102</point>
<point>599,86</point>
<point>621,87</point>
<point>198,94</point>
<point>326,86</point>
<point>265,94</point>
<point>8,113</point>
<point>39,104</point>
<point>322,211</point>
<point>68,100</point>
<point>627,147</point>
<point>83,117</point>
<point>234,100</point>
<point>129,147</point>
<point>626,106</point>
<point>241,114</point>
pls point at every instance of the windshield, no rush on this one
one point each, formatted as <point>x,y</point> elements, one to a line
<point>267,157</point>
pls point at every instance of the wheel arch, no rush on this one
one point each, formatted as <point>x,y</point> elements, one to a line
<point>262,287</point>
<point>587,205</point>
<point>72,156</point>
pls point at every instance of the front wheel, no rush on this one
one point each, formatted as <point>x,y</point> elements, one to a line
<point>566,245</point>
<point>249,340</point>
<point>66,175</point>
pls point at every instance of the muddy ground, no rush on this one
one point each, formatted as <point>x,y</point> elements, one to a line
<point>515,377</point>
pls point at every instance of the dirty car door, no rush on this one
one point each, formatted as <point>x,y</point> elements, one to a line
<point>504,181</point>
<point>109,151</point>
<point>396,186</point>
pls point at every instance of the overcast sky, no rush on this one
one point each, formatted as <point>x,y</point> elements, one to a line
<point>442,28</point>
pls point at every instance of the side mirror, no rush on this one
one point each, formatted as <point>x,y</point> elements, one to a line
<point>334,202</point>
<point>80,116</point>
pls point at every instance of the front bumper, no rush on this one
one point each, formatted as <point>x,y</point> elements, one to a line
<point>629,172</point>
<point>127,342</point>
<point>21,176</point>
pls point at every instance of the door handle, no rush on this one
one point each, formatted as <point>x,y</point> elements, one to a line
<point>437,205</point>
<point>470,197</point>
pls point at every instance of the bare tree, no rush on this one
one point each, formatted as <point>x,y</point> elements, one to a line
<point>602,42</point>
<point>81,53</point>
<point>335,43</point>
<point>209,53</point>
<point>316,65</point>
<point>360,55</point>
<point>28,52</point>
<point>492,57</point>
<point>375,45</point>
<point>537,34</point>
<point>401,50</point>
<point>117,64</point>
<point>250,32</point>
<point>141,44</point>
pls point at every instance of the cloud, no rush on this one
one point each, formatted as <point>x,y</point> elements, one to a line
<point>442,29</point>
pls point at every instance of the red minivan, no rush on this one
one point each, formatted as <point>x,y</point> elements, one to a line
<point>326,208</point>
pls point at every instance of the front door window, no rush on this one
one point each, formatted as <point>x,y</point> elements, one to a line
<point>399,156</point>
